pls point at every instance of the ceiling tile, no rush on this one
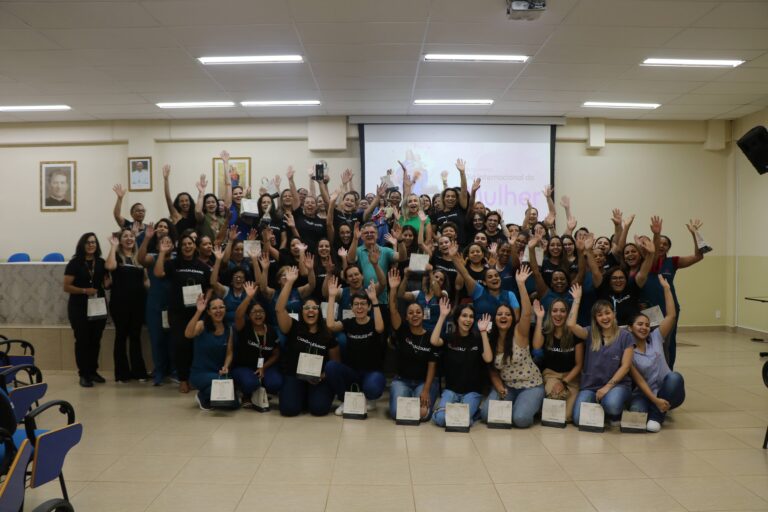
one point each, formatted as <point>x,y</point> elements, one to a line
<point>367,107</point>
<point>741,111</point>
<point>487,33</point>
<point>39,59</point>
<point>235,40</point>
<point>742,74</point>
<point>556,53</point>
<point>111,38</point>
<point>732,87</point>
<point>48,87</point>
<point>362,52</point>
<point>632,13</point>
<point>144,85</point>
<point>134,57</point>
<point>364,33</point>
<point>42,15</point>
<point>226,74</point>
<point>543,95</point>
<point>363,95</point>
<point>537,107</point>
<point>269,86</point>
<point>12,39</point>
<point>758,62</point>
<point>59,74</point>
<point>194,93</point>
<point>626,37</point>
<point>638,72</point>
<point>651,86</point>
<point>722,39</point>
<point>8,20</point>
<point>715,99</point>
<point>365,68</point>
<point>463,82</point>
<point>470,69</point>
<point>286,111</point>
<point>181,73</point>
<point>77,100</point>
<point>276,93</point>
<point>711,110</point>
<point>359,10</point>
<point>354,82</point>
<point>571,84</point>
<point>220,12</point>
<point>448,110</point>
<point>741,15</point>
<point>117,109</point>
<point>562,71</point>
<point>665,116</point>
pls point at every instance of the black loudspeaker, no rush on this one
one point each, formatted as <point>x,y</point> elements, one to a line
<point>754,144</point>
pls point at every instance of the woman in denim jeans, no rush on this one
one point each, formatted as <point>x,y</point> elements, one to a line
<point>607,359</point>
<point>514,376</point>
<point>659,389</point>
<point>464,358</point>
<point>416,357</point>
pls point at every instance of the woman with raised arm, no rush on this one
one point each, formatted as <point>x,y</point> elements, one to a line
<point>127,303</point>
<point>454,205</point>
<point>607,359</point>
<point>232,295</point>
<point>560,281</point>
<point>156,311</point>
<point>365,346</point>
<point>415,355</point>
<point>211,340</point>
<point>464,359</point>
<point>183,272</point>
<point>307,335</point>
<point>514,376</point>
<point>209,222</point>
<point>296,294</point>
<point>257,352</point>
<point>428,297</point>
<point>443,260</point>
<point>182,208</point>
<point>138,213</point>
<point>657,388</point>
<point>412,209</point>
<point>84,279</point>
<point>563,354</point>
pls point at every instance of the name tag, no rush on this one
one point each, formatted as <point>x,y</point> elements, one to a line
<point>591,417</point>
<point>408,411</point>
<point>457,417</point>
<point>347,313</point>
<point>355,406</point>
<point>164,319</point>
<point>553,413</point>
<point>190,293</point>
<point>634,422</point>
<point>499,414</point>
<point>260,363</point>
<point>427,313</point>
<point>97,308</point>
<point>310,367</point>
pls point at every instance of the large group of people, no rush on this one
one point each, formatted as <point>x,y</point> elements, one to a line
<point>500,311</point>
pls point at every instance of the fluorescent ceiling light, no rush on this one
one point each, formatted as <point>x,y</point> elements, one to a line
<point>197,104</point>
<point>33,108</point>
<point>252,59</point>
<point>693,63</point>
<point>280,103</point>
<point>614,104</point>
<point>453,102</point>
<point>458,57</point>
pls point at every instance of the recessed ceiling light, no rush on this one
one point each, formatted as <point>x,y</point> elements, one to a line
<point>33,108</point>
<point>693,63</point>
<point>252,59</point>
<point>458,57</point>
<point>453,102</point>
<point>197,104</point>
<point>280,103</point>
<point>614,104</point>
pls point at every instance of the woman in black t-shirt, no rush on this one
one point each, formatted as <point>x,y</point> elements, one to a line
<point>183,272</point>
<point>257,352</point>
<point>364,355</point>
<point>623,292</point>
<point>308,335</point>
<point>464,359</point>
<point>416,357</point>
<point>127,306</point>
<point>563,354</point>
<point>84,279</point>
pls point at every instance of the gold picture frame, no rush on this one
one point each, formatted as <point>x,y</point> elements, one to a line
<point>140,180</point>
<point>243,166</point>
<point>58,186</point>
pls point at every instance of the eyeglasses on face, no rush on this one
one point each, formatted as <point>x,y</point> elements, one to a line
<point>310,308</point>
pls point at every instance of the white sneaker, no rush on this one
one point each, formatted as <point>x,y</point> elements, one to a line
<point>200,404</point>
<point>339,410</point>
<point>653,426</point>
<point>370,405</point>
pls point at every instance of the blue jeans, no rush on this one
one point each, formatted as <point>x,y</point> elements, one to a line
<point>341,377</point>
<point>526,403</point>
<point>613,402</point>
<point>248,382</point>
<point>410,388</point>
<point>672,390</point>
<point>160,341</point>
<point>472,398</point>
<point>297,393</point>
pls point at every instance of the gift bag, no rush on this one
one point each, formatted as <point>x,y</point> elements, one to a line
<point>553,413</point>
<point>408,410</point>
<point>310,367</point>
<point>591,417</point>
<point>355,404</point>
<point>164,319</point>
<point>260,400</point>
<point>634,422</point>
<point>457,417</point>
<point>223,393</point>
<point>190,293</point>
<point>97,308</point>
<point>249,207</point>
<point>499,414</point>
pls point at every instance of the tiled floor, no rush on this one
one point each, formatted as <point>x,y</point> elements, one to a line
<point>152,449</point>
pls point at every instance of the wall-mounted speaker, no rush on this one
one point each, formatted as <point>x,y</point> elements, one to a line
<point>754,144</point>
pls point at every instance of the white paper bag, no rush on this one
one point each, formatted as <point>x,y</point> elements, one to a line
<point>222,393</point>
<point>355,406</point>
<point>703,246</point>
<point>191,293</point>
<point>654,314</point>
<point>270,186</point>
<point>499,414</point>
<point>553,413</point>
<point>310,367</point>
<point>295,316</point>
<point>408,410</point>
<point>457,417</point>
<point>260,400</point>
<point>418,262</point>
<point>249,207</point>
<point>347,313</point>
<point>164,319</point>
<point>591,417</point>
<point>634,422</point>
<point>97,308</point>
<point>250,246</point>
<point>324,309</point>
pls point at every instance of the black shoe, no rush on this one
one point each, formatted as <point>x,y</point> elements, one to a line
<point>98,378</point>
<point>86,382</point>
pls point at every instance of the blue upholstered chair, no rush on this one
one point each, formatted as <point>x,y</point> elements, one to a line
<point>19,257</point>
<point>53,257</point>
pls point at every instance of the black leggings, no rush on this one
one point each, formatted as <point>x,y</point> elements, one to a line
<point>128,318</point>
<point>87,343</point>
<point>182,346</point>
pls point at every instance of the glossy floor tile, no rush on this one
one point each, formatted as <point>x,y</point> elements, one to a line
<point>151,449</point>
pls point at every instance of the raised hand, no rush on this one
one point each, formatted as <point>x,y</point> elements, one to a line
<point>476,185</point>
<point>547,191</point>
<point>484,323</point>
<point>493,248</point>
<point>218,253</point>
<point>565,202</point>
<point>166,170</point>
<point>264,260</point>
<point>373,255</point>
<point>346,176</point>
<point>461,165</point>
<point>278,181</point>
<point>289,220</point>
<point>201,303</point>
<point>656,225</point>
<point>370,291</point>
<point>114,241</point>
<point>253,234</point>
<point>397,230</point>
<point>393,278</point>
<point>444,175</point>
<point>646,244</point>
<point>333,286</point>
<point>166,245</point>
<point>356,230</point>
<point>202,184</point>
<point>522,274</point>
<point>616,217</point>
<point>224,155</point>
<point>119,191</point>
<point>302,247</point>
<point>233,233</point>
<point>342,252</point>
<point>571,223</point>
<point>549,220</point>
<point>589,241</point>
<point>575,291</point>
<point>149,232</point>
<point>534,241</point>
<point>290,173</point>
<point>309,260</point>
<point>538,309</point>
<point>291,275</point>
<point>391,240</point>
<point>422,216</point>
<point>694,225</point>
<point>453,250</point>
<point>629,221</point>
<point>250,289</point>
<point>445,307</point>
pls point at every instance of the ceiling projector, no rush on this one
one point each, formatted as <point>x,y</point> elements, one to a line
<point>525,10</point>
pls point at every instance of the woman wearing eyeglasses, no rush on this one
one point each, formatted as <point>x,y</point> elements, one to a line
<point>84,279</point>
<point>308,335</point>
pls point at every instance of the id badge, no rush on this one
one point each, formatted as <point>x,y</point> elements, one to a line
<point>164,317</point>
<point>427,313</point>
<point>260,363</point>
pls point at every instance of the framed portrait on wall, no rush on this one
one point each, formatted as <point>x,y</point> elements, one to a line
<point>58,186</point>
<point>140,174</point>
<point>239,172</point>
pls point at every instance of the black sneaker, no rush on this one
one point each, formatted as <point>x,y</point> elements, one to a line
<point>86,382</point>
<point>98,378</point>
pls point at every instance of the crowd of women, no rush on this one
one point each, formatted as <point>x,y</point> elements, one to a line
<point>500,311</point>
